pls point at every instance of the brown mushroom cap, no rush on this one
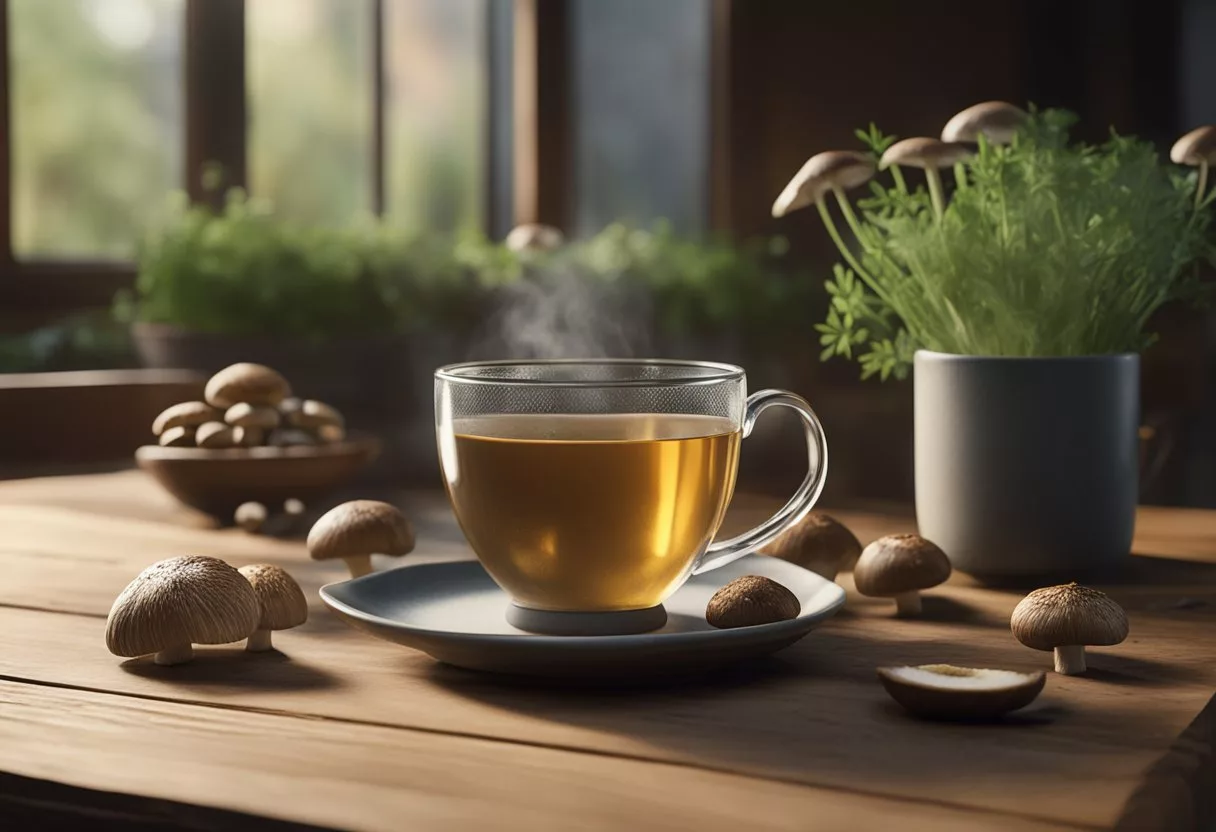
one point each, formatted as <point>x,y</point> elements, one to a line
<point>997,121</point>
<point>1196,147</point>
<point>312,414</point>
<point>819,543</point>
<point>214,435</point>
<point>900,563</point>
<point>282,601</point>
<point>250,516</point>
<point>831,169</point>
<point>182,601</point>
<point>248,437</point>
<point>1066,616</point>
<point>534,237</point>
<point>749,601</point>
<point>942,691</point>
<point>246,415</point>
<point>924,152</point>
<point>178,437</point>
<point>252,383</point>
<point>184,414</point>
<point>360,528</point>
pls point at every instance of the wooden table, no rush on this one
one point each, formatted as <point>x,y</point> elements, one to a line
<point>342,731</point>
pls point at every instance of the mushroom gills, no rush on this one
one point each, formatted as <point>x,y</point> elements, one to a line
<point>943,691</point>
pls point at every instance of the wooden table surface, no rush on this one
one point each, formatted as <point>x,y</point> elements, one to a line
<point>343,731</point>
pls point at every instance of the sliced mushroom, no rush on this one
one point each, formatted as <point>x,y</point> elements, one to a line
<point>357,530</point>
<point>749,601</point>
<point>943,691</point>
<point>252,383</point>
<point>996,121</point>
<point>819,543</point>
<point>534,237</point>
<point>282,603</point>
<point>930,155</point>
<point>214,435</point>
<point>177,603</point>
<point>899,566</point>
<point>185,415</point>
<point>178,437</point>
<point>1197,149</point>
<point>1065,619</point>
<point>822,174</point>
<point>246,415</point>
<point>250,516</point>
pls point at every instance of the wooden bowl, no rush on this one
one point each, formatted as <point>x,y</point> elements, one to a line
<point>217,481</point>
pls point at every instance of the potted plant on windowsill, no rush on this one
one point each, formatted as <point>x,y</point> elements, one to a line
<point>1021,301</point>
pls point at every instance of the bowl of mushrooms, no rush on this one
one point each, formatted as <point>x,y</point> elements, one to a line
<point>251,440</point>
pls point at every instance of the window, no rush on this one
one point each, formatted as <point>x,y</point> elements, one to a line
<point>435,114</point>
<point>96,122</point>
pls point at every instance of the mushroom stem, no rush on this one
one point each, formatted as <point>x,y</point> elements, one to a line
<point>1203,183</point>
<point>908,603</point>
<point>176,654</point>
<point>934,177</point>
<point>1070,660</point>
<point>259,641</point>
<point>360,565</point>
<point>960,176</point>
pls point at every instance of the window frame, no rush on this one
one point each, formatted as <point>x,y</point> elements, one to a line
<point>216,101</point>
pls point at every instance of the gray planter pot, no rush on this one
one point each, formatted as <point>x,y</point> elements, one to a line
<point>1027,466</point>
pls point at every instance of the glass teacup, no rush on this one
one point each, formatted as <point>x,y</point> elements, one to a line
<point>590,490</point>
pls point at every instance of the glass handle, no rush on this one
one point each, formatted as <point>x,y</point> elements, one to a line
<point>726,551</point>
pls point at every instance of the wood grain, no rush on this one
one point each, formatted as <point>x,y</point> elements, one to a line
<point>1093,750</point>
<point>369,778</point>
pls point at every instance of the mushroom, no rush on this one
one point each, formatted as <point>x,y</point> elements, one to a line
<point>533,237</point>
<point>1197,149</point>
<point>899,566</point>
<point>246,415</point>
<point>321,420</point>
<point>179,602</point>
<point>819,543</point>
<point>930,155</point>
<point>943,691</point>
<point>250,516</point>
<point>252,383</point>
<point>184,415</point>
<point>835,171</point>
<point>751,600</point>
<point>832,170</point>
<point>248,437</point>
<point>284,437</point>
<point>282,603</point>
<point>178,437</point>
<point>1065,619</point>
<point>214,435</point>
<point>357,530</point>
<point>996,121</point>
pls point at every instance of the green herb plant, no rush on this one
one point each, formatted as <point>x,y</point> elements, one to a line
<point>1046,248</point>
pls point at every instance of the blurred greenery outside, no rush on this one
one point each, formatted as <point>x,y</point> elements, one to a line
<point>98,143</point>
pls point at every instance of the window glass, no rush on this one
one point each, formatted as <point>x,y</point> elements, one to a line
<point>435,105</point>
<point>310,107</point>
<point>641,112</point>
<point>97,137</point>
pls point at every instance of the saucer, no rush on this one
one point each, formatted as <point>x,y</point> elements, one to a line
<point>457,614</point>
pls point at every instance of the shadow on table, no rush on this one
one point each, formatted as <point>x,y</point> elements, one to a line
<point>815,713</point>
<point>235,668</point>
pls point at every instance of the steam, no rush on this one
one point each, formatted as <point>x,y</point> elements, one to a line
<point>557,314</point>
